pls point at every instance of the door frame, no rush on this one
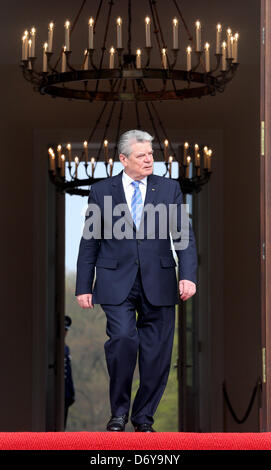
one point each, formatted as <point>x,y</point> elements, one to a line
<point>265,188</point>
<point>48,287</point>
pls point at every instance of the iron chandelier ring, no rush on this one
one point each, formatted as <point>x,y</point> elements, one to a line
<point>54,84</point>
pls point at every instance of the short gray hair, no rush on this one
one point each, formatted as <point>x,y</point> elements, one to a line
<point>130,137</point>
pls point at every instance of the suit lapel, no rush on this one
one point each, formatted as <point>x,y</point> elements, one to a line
<point>152,192</point>
<point>150,198</point>
<point>118,196</point>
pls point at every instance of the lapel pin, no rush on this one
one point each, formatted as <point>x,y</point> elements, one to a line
<point>153,189</point>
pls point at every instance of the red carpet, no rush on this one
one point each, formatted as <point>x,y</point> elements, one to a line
<point>134,441</point>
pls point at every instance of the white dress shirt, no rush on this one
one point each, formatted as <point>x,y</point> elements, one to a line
<point>129,188</point>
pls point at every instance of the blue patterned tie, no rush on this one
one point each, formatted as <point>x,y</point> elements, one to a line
<point>136,204</point>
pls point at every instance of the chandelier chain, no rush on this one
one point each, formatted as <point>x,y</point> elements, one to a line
<point>143,86</point>
<point>97,15</point>
<point>97,122</point>
<point>72,28</point>
<point>163,128</point>
<point>190,37</point>
<point>100,116</point>
<point>118,130</point>
<point>136,107</point>
<point>154,127</point>
<point>156,22</point>
<point>107,125</point>
<point>156,30</point>
<point>111,3</point>
<point>78,16</point>
<point>129,27</point>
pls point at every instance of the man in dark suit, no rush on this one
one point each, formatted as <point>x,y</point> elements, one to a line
<point>131,249</point>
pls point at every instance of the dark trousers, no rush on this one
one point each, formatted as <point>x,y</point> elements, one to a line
<point>150,335</point>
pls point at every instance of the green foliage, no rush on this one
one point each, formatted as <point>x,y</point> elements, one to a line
<point>86,338</point>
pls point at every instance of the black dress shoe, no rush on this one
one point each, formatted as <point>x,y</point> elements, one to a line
<point>145,427</point>
<point>117,423</point>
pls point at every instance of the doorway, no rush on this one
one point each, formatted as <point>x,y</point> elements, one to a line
<point>86,338</point>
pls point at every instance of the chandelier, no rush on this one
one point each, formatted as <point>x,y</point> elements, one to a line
<point>192,169</point>
<point>143,75</point>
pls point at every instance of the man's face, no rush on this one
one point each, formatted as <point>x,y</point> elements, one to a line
<point>140,161</point>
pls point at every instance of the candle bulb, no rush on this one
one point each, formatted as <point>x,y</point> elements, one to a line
<point>209,155</point>
<point>92,166</point>
<point>218,37</point>
<point>52,163</point>
<point>86,61</point>
<point>189,50</point>
<point>111,58</point>
<point>50,36</point>
<point>170,159</point>
<point>45,64</point>
<point>29,48</point>
<point>196,152</point>
<point>186,147</point>
<point>197,163</point>
<point>207,57</point>
<point>165,150</point>
<point>59,156</point>
<point>235,48</point>
<point>188,166</point>
<point>25,45</point>
<point>33,43</point>
<point>224,55</point>
<point>67,35</point>
<point>90,33</point>
<point>62,172</point>
<point>51,159</point>
<point>64,60</point>
<point>106,150</point>
<point>69,148</point>
<point>197,160</point>
<point>164,58</point>
<point>198,36</point>
<point>138,59</point>
<point>24,42</point>
<point>111,166</point>
<point>175,33</point>
<point>229,42</point>
<point>148,31</point>
<point>119,33</point>
<point>205,150</point>
<point>29,66</point>
<point>76,161</point>
<point>232,47</point>
<point>86,150</point>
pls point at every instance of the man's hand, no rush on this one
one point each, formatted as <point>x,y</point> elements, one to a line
<point>85,300</point>
<point>187,289</point>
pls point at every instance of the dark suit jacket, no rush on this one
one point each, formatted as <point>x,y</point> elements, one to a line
<point>117,261</point>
